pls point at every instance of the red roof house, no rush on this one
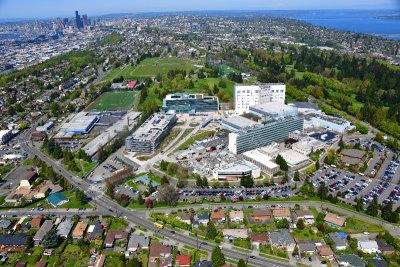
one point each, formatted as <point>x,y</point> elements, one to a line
<point>182,260</point>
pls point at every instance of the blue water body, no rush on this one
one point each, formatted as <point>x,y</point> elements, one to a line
<point>8,36</point>
<point>380,22</point>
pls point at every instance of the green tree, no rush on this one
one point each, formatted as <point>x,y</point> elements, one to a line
<point>285,178</point>
<point>322,191</point>
<point>282,163</point>
<point>211,231</point>
<point>205,181</point>
<point>140,199</point>
<point>135,263</point>
<point>246,181</point>
<point>164,180</point>
<point>281,224</point>
<point>317,165</point>
<point>300,224</point>
<point>80,196</point>
<point>50,239</point>
<point>167,194</point>
<point>241,263</point>
<point>379,137</point>
<point>359,204</point>
<point>296,176</point>
<point>373,207</point>
<point>55,109</point>
<point>217,257</point>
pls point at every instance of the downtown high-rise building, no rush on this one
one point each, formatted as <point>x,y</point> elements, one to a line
<point>79,22</point>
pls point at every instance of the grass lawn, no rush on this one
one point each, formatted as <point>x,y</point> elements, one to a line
<point>73,256</point>
<point>167,140</point>
<point>354,225</point>
<point>115,73</point>
<point>117,223</point>
<point>305,234</point>
<point>73,202</point>
<point>84,166</point>
<point>120,100</point>
<point>226,94</point>
<point>113,260</point>
<point>192,140</point>
<point>150,67</point>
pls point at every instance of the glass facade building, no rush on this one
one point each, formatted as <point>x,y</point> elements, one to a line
<point>184,103</point>
<point>264,134</point>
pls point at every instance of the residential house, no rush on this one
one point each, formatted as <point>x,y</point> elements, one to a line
<point>350,260</point>
<point>378,263</point>
<point>334,220</point>
<point>282,239</point>
<point>97,260</point>
<point>306,216</point>
<point>64,228</point>
<point>182,260</point>
<point>368,246</point>
<point>280,214</point>
<point>261,216</point>
<point>115,235</point>
<point>235,233</point>
<point>46,188</point>
<point>161,252</point>
<point>13,243</point>
<point>137,242</point>
<point>28,180</point>
<point>95,230</point>
<point>218,216</point>
<point>41,264</point>
<point>307,247</point>
<point>236,216</point>
<point>384,248</point>
<point>57,199</point>
<point>36,222</point>
<point>185,217</point>
<point>202,219</point>
<point>43,230</point>
<point>325,252</point>
<point>339,239</point>
<point>258,239</point>
<point>20,264</point>
<point>79,230</point>
<point>5,224</point>
<point>100,260</point>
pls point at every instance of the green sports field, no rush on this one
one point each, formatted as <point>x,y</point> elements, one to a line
<point>150,67</point>
<point>110,101</point>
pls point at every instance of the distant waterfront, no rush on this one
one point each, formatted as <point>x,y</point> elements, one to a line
<point>385,23</point>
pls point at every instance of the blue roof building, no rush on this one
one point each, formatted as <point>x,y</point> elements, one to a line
<point>57,199</point>
<point>144,179</point>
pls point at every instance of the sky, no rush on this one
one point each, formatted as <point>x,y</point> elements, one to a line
<point>66,8</point>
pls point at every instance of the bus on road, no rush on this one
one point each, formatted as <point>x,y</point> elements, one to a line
<point>158,225</point>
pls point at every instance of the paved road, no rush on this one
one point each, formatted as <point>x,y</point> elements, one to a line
<point>105,206</point>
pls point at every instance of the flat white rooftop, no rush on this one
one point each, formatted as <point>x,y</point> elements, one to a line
<point>261,157</point>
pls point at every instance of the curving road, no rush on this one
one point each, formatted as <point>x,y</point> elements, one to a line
<point>106,206</point>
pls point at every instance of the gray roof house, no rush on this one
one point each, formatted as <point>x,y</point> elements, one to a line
<point>137,242</point>
<point>97,231</point>
<point>282,239</point>
<point>5,224</point>
<point>307,246</point>
<point>64,228</point>
<point>202,219</point>
<point>350,260</point>
<point>340,243</point>
<point>46,227</point>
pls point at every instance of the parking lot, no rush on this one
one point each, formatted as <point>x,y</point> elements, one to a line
<point>352,185</point>
<point>236,192</point>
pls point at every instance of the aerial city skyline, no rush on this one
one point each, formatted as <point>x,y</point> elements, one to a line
<point>48,9</point>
